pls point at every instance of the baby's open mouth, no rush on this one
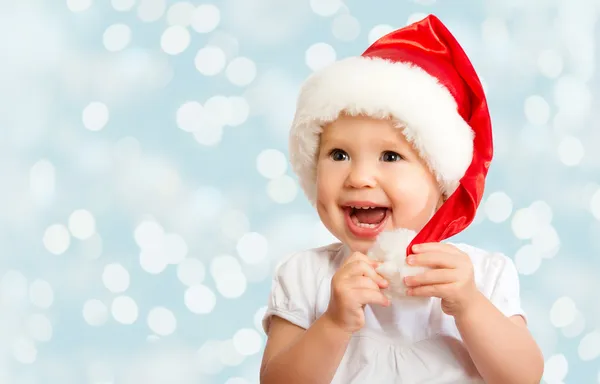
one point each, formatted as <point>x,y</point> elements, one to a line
<point>367,217</point>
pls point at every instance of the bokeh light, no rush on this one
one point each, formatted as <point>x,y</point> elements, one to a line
<point>148,195</point>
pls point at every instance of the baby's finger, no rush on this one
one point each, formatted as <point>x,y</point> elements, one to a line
<point>370,296</point>
<point>433,290</point>
<point>433,260</point>
<point>433,276</point>
<point>357,256</point>
<point>436,247</point>
<point>362,268</point>
<point>363,282</point>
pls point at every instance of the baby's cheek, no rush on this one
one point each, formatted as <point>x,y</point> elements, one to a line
<point>409,195</point>
<point>412,207</point>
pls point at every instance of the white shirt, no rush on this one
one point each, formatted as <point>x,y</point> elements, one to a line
<point>401,343</point>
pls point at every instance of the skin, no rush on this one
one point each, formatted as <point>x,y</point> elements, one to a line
<point>368,159</point>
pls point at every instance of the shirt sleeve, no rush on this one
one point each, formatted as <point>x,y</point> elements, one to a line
<point>506,293</point>
<point>293,292</point>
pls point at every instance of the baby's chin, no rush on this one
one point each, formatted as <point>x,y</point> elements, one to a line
<point>361,246</point>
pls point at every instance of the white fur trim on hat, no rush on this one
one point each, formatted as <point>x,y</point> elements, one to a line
<point>381,88</point>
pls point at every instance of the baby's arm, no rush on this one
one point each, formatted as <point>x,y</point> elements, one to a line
<point>294,355</point>
<point>501,347</point>
<point>493,329</point>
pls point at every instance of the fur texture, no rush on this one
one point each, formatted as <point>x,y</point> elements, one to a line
<point>422,107</point>
<point>390,249</point>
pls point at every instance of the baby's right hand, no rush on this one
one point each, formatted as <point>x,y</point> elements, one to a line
<point>353,286</point>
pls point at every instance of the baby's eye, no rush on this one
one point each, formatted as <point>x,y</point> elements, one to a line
<point>390,156</point>
<point>338,155</point>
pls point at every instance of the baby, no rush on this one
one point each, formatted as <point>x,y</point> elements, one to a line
<point>392,148</point>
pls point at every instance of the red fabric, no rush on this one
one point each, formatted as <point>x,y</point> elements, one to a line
<point>430,45</point>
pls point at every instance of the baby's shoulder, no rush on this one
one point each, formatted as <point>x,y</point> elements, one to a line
<point>312,261</point>
<point>488,266</point>
<point>482,257</point>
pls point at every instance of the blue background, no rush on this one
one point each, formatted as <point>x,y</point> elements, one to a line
<point>141,218</point>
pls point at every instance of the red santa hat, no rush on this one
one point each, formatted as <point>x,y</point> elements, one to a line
<point>421,76</point>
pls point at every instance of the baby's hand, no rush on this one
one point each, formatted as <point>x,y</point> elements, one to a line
<point>353,286</point>
<point>451,277</point>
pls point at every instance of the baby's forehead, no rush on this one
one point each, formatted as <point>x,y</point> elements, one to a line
<point>358,130</point>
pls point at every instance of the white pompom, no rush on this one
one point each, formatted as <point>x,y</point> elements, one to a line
<point>390,250</point>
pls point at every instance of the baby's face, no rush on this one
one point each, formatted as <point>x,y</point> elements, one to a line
<point>370,179</point>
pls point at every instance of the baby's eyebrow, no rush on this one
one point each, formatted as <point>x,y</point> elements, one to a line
<point>346,141</point>
<point>392,143</point>
<point>334,140</point>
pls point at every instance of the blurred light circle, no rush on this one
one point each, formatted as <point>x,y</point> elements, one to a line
<point>247,341</point>
<point>325,7</point>
<point>415,17</point>
<point>231,284</point>
<point>537,110</point>
<point>95,116</point>
<point>556,369</point>
<point>24,351</point>
<point>122,5</point>
<point>78,5</point>
<point>116,37</point>
<point>57,239</point>
<point>240,110</point>
<point>550,64</point>
<point>40,327</point>
<point>282,190</point>
<point>345,27</point>
<point>271,163</point>
<point>189,116</point>
<point>252,247</point>
<point>115,278</point>
<point>200,299</point>
<point>206,18</point>
<point>498,207</point>
<point>124,310</point>
<point>151,10</point>
<point>524,223</point>
<point>210,61</point>
<point>208,358</point>
<point>258,318</point>
<point>175,39</point>
<point>162,321</point>
<point>576,327</point>
<point>563,312</point>
<point>589,346</point>
<point>546,242</point>
<point>570,151</point>
<point>224,264</point>
<point>191,271</point>
<point>319,55</point>
<point>527,259</point>
<point>234,224</point>
<point>229,355</point>
<point>82,224</point>
<point>180,13</point>
<point>95,312</point>
<point>378,32</point>
<point>241,71</point>
<point>41,294</point>
<point>218,109</point>
<point>595,204</point>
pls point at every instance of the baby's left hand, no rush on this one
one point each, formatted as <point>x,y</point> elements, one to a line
<point>451,277</point>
